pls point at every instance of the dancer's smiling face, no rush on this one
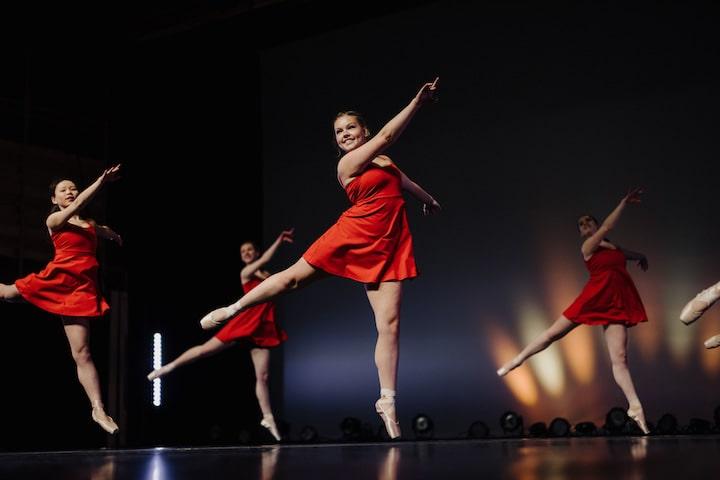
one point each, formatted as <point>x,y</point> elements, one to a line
<point>248,252</point>
<point>587,225</point>
<point>350,132</point>
<point>64,194</point>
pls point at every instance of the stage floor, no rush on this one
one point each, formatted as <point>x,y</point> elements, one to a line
<point>616,458</point>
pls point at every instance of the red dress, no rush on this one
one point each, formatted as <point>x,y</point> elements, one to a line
<point>68,286</point>
<point>256,324</point>
<point>371,241</point>
<point>610,295</point>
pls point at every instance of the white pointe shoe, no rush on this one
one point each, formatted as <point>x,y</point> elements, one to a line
<point>159,372</point>
<point>507,368</point>
<point>638,416</point>
<point>104,420</point>
<point>385,407</point>
<point>268,422</point>
<point>713,342</point>
<point>215,318</point>
<point>697,306</point>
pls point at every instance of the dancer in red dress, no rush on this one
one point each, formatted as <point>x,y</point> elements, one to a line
<point>609,299</point>
<point>255,326</point>
<point>68,286</point>
<point>370,243</point>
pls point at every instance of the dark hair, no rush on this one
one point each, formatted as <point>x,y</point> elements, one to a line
<point>53,186</point>
<point>251,242</point>
<point>592,217</point>
<point>350,113</point>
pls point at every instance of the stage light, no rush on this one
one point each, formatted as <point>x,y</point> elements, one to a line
<point>615,420</point>
<point>351,428</point>
<point>538,429</point>
<point>423,426</point>
<point>157,363</point>
<point>699,426</point>
<point>511,423</point>
<point>586,429</point>
<point>667,425</point>
<point>308,434</point>
<point>478,429</point>
<point>559,427</point>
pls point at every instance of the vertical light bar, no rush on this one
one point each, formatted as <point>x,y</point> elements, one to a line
<point>157,363</point>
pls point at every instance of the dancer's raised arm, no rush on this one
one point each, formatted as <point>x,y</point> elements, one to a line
<point>593,241</point>
<point>350,132</point>
<point>253,266</point>
<point>68,189</point>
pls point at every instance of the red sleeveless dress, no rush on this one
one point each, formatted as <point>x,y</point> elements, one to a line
<point>256,324</point>
<point>610,295</point>
<point>371,241</point>
<point>68,286</point>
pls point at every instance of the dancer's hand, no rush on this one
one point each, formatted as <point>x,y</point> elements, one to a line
<point>117,239</point>
<point>633,196</point>
<point>111,174</point>
<point>287,235</point>
<point>643,263</point>
<point>428,92</point>
<point>431,208</point>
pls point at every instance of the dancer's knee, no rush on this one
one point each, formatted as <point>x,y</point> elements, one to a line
<point>82,355</point>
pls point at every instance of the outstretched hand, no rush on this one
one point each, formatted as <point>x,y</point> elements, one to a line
<point>428,92</point>
<point>643,264</point>
<point>111,174</point>
<point>633,196</point>
<point>287,235</point>
<point>431,208</point>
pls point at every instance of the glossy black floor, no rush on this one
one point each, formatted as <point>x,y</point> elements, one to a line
<point>616,458</point>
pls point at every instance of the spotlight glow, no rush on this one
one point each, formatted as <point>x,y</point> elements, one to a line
<point>157,363</point>
<point>562,287</point>
<point>547,365</point>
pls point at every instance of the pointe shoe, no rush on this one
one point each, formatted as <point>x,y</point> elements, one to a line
<point>697,306</point>
<point>268,422</point>
<point>638,416</point>
<point>507,368</point>
<point>215,318</point>
<point>385,407</point>
<point>158,372</point>
<point>104,420</point>
<point>713,342</point>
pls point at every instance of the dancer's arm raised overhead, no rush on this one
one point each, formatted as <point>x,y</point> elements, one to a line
<point>356,159</point>
<point>252,267</point>
<point>57,219</point>
<point>593,242</point>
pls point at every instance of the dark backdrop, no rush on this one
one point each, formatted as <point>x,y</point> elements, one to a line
<point>222,123</point>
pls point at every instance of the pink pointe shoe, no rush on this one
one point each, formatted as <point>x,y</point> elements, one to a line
<point>385,407</point>
<point>104,420</point>
<point>713,342</point>
<point>215,318</point>
<point>698,305</point>
<point>638,416</point>
<point>268,422</point>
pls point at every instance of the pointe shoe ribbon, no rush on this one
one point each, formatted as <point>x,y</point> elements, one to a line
<point>697,306</point>
<point>105,421</point>
<point>383,407</point>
